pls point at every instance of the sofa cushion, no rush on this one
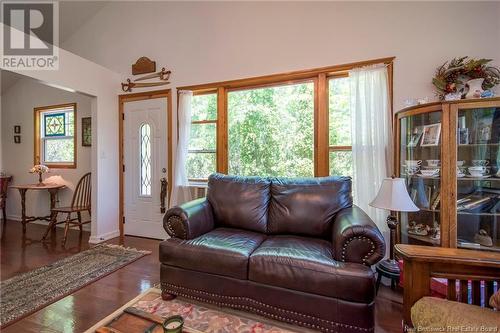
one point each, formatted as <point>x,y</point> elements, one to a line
<point>307,206</point>
<point>239,202</point>
<point>222,251</point>
<point>307,265</point>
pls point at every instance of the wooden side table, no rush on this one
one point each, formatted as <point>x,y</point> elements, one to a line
<point>52,188</point>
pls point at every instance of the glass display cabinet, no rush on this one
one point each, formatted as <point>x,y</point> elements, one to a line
<point>448,153</point>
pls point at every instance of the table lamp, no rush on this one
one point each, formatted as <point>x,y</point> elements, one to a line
<point>393,196</point>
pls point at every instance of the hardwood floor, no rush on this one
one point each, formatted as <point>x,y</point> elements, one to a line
<point>82,309</point>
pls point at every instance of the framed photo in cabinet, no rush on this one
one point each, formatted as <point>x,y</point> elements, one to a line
<point>431,135</point>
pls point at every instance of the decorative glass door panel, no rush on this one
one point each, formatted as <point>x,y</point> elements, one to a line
<point>478,178</point>
<point>419,165</point>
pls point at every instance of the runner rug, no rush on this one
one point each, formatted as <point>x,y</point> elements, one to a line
<point>198,318</point>
<point>28,292</point>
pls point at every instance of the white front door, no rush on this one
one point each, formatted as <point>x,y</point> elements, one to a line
<point>145,157</point>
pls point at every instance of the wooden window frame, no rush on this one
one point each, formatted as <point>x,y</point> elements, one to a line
<point>320,77</point>
<point>38,137</point>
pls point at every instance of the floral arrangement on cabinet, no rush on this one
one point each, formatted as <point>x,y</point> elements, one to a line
<point>40,169</point>
<point>466,78</point>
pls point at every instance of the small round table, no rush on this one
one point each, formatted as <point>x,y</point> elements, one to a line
<point>52,188</point>
<point>394,276</point>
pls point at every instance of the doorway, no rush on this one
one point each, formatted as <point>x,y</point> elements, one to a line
<point>146,162</point>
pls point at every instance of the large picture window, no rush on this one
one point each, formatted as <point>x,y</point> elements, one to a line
<point>271,131</point>
<point>55,140</point>
<point>296,124</point>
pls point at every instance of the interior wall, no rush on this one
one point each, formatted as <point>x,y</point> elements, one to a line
<point>77,74</point>
<point>204,42</point>
<point>18,103</point>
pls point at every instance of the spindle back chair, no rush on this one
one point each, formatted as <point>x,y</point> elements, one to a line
<point>81,202</point>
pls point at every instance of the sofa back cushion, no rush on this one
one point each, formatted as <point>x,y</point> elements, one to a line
<point>307,206</point>
<point>239,202</point>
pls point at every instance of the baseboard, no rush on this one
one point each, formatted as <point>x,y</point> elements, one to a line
<point>104,237</point>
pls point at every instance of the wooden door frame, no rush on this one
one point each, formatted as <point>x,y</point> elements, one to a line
<point>122,99</point>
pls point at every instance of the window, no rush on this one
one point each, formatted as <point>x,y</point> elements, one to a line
<point>145,159</point>
<point>271,131</point>
<point>294,124</point>
<point>340,150</point>
<point>55,139</point>
<point>201,160</point>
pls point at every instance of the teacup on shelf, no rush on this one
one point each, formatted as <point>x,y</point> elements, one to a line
<point>413,163</point>
<point>411,170</point>
<point>480,162</point>
<point>460,163</point>
<point>460,172</point>
<point>478,171</point>
<point>433,163</point>
<point>429,172</point>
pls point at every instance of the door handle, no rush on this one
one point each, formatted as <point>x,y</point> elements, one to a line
<point>163,194</point>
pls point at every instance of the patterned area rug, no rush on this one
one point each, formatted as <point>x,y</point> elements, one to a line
<point>28,292</point>
<point>198,318</point>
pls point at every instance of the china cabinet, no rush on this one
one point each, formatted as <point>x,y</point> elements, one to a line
<point>448,153</point>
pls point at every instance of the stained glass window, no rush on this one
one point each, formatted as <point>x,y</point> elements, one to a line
<point>145,159</point>
<point>56,135</point>
<point>55,124</point>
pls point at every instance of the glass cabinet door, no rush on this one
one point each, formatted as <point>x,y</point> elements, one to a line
<point>478,178</point>
<point>420,162</point>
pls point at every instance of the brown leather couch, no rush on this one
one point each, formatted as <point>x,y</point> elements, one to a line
<point>294,250</point>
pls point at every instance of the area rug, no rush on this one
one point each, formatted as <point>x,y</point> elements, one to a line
<point>26,293</point>
<point>198,317</point>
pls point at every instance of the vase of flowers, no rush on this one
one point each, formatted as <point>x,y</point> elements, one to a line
<point>453,77</point>
<point>40,169</point>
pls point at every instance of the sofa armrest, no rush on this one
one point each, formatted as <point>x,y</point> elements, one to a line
<point>356,238</point>
<point>189,220</point>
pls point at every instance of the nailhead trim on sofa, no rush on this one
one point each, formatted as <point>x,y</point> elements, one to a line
<point>363,239</point>
<point>173,220</point>
<point>174,289</point>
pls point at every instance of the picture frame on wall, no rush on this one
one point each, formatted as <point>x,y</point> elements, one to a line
<point>17,129</point>
<point>431,135</point>
<point>87,131</point>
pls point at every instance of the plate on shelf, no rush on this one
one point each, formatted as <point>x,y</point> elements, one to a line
<point>432,177</point>
<point>480,177</point>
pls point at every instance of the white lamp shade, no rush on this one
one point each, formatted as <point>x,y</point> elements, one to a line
<point>394,196</point>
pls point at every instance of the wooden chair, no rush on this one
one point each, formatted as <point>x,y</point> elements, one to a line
<point>471,275</point>
<point>4,186</point>
<point>81,202</point>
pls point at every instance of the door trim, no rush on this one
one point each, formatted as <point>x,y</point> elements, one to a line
<point>122,99</point>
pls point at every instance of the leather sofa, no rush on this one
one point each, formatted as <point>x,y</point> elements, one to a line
<point>294,250</point>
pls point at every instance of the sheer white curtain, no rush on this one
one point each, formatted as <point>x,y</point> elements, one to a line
<point>371,138</point>
<point>180,187</point>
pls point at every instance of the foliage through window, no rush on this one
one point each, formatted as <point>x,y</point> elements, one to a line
<point>271,131</point>
<point>340,148</point>
<point>201,160</point>
<point>295,124</point>
<point>55,135</point>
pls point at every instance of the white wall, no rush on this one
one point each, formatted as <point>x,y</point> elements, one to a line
<point>18,103</point>
<point>211,41</point>
<point>80,75</point>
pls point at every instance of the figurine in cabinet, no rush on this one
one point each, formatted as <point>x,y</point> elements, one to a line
<point>483,238</point>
